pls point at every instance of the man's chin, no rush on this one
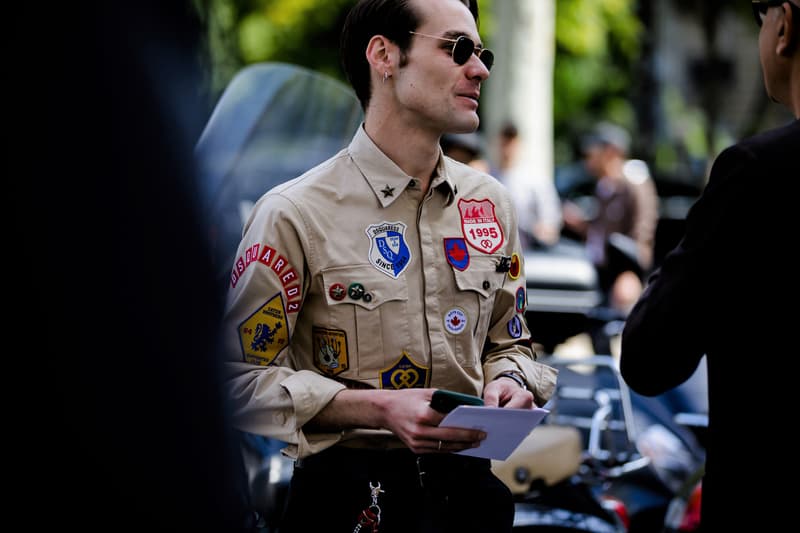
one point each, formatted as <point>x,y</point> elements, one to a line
<point>465,127</point>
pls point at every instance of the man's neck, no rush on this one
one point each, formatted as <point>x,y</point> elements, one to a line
<point>414,150</point>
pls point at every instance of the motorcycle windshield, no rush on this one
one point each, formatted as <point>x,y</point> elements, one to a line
<point>273,122</point>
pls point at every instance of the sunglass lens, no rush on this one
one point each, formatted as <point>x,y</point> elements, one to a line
<point>462,50</point>
<point>488,58</point>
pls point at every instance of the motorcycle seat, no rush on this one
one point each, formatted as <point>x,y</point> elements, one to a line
<point>550,453</point>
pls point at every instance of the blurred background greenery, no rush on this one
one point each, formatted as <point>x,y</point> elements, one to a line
<point>681,75</point>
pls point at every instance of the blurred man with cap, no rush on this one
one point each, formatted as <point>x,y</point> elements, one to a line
<point>625,218</point>
<point>718,294</point>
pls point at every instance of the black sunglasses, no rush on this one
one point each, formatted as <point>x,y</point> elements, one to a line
<point>760,8</point>
<point>463,48</point>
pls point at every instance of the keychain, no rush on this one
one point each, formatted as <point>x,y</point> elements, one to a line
<point>371,516</point>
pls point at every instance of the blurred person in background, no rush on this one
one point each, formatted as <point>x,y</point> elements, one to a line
<point>620,233</point>
<point>466,148</point>
<point>727,291</point>
<point>535,197</point>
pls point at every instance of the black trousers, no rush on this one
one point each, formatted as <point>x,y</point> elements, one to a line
<point>429,493</point>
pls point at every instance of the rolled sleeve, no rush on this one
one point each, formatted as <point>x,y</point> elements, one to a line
<point>277,402</point>
<point>310,393</point>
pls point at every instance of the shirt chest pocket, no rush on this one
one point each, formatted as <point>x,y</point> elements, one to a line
<point>475,295</point>
<point>371,309</point>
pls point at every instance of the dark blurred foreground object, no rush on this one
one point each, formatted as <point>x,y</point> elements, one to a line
<point>120,421</point>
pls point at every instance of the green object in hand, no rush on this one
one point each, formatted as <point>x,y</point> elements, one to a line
<point>445,401</point>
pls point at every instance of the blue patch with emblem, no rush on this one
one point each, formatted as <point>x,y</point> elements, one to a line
<point>515,327</point>
<point>404,374</point>
<point>456,252</point>
<point>388,251</point>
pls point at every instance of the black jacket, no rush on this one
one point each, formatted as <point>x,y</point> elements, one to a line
<point>728,291</point>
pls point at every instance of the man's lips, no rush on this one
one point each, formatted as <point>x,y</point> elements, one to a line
<point>472,96</point>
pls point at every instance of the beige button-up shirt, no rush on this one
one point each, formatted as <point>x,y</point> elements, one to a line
<point>349,276</point>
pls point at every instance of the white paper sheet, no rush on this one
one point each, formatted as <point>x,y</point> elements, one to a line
<point>505,428</point>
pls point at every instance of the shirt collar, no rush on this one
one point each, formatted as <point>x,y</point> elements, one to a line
<point>444,180</point>
<point>385,178</point>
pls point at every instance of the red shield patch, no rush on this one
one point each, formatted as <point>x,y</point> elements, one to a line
<point>480,226</point>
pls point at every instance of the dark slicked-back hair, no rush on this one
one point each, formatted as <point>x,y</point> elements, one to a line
<point>391,18</point>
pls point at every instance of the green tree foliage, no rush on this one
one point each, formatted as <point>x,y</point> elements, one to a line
<point>598,41</point>
<point>302,32</point>
<point>242,32</point>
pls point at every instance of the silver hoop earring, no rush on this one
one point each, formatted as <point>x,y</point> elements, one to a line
<point>385,76</point>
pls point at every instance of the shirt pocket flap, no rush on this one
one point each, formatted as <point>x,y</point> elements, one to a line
<point>362,285</point>
<point>481,276</point>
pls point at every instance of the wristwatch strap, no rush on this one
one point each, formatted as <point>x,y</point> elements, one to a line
<point>516,377</point>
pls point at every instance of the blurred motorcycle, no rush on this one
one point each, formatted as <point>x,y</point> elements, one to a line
<point>637,458</point>
<point>551,494</point>
<point>273,122</point>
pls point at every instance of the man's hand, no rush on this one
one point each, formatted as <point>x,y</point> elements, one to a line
<point>505,392</point>
<point>408,415</point>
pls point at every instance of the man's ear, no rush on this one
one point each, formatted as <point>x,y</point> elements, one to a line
<point>789,32</point>
<point>379,55</point>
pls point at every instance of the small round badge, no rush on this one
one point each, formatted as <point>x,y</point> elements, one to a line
<point>455,321</point>
<point>355,291</point>
<point>337,291</point>
<point>515,269</point>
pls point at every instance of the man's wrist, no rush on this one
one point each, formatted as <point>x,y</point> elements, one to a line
<point>516,376</point>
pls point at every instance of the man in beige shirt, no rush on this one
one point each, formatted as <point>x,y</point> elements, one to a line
<point>375,278</point>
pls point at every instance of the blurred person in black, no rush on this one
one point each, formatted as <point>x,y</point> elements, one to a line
<point>726,291</point>
<point>123,424</point>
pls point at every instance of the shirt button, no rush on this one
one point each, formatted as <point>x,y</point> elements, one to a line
<point>486,285</point>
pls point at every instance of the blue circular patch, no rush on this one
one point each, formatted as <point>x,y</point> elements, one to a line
<point>515,327</point>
